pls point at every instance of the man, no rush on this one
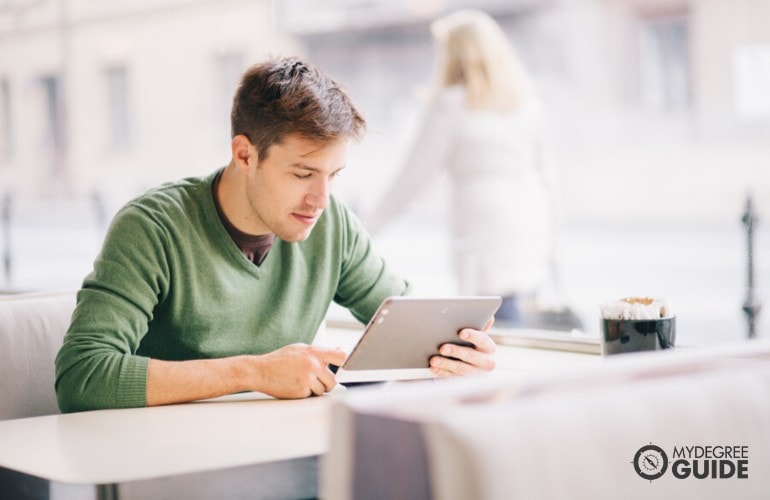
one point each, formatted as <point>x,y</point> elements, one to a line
<point>215,285</point>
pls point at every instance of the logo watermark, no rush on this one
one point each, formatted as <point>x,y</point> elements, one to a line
<point>693,462</point>
<point>650,462</point>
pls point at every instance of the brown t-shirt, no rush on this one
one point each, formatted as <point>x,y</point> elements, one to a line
<point>254,247</point>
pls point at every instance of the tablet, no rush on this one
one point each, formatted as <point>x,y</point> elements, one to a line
<point>406,332</point>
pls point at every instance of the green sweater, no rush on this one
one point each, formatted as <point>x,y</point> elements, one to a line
<point>170,283</point>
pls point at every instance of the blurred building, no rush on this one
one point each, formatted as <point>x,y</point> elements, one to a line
<point>100,100</point>
<point>116,94</point>
<point>655,94</point>
<point>98,93</point>
<point>659,110</point>
<point>661,127</point>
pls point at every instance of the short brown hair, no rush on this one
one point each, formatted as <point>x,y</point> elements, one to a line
<point>288,96</point>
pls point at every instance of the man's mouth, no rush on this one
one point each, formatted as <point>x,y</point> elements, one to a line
<point>306,219</point>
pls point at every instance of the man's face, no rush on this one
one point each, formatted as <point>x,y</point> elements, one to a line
<point>289,189</point>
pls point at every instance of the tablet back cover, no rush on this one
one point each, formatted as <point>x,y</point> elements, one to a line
<point>406,331</point>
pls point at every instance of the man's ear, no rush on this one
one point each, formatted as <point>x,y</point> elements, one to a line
<point>243,152</point>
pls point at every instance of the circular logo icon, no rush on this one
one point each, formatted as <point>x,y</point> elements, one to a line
<point>650,462</point>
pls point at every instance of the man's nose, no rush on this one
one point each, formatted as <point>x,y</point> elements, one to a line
<point>318,197</point>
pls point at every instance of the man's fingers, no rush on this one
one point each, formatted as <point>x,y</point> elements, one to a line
<point>450,367</point>
<point>327,357</point>
<point>326,378</point>
<point>469,356</point>
<point>441,373</point>
<point>467,360</point>
<point>330,356</point>
<point>317,387</point>
<point>479,339</point>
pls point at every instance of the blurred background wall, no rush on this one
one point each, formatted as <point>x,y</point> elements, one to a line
<point>659,113</point>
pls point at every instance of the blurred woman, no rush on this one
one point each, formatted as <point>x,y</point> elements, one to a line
<point>484,126</point>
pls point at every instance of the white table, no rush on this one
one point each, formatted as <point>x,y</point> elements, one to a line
<point>86,454</point>
<point>240,446</point>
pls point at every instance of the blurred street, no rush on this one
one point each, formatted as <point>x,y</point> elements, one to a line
<point>700,272</point>
<point>658,111</point>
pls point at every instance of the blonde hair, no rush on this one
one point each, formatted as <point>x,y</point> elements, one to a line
<point>475,53</point>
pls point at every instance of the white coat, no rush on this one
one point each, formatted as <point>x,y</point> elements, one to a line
<point>501,200</point>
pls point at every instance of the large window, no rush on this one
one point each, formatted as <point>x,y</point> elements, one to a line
<point>118,108</point>
<point>228,67</point>
<point>52,136</point>
<point>751,81</point>
<point>664,60</point>
<point>6,125</point>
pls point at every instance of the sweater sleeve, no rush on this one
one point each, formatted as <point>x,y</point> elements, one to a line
<point>97,366</point>
<point>365,278</point>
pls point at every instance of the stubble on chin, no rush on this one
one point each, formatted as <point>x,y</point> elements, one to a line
<point>296,236</point>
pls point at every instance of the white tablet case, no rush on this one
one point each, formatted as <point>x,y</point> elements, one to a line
<point>406,331</point>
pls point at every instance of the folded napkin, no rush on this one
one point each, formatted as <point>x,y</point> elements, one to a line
<point>635,308</point>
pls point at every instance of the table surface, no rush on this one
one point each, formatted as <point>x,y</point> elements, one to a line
<point>114,446</point>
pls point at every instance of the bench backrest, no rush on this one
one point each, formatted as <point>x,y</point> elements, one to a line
<point>32,326</point>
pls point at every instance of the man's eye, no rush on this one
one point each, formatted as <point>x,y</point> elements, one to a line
<point>302,176</point>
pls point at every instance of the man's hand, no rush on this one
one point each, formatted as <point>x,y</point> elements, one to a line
<point>296,371</point>
<point>468,360</point>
